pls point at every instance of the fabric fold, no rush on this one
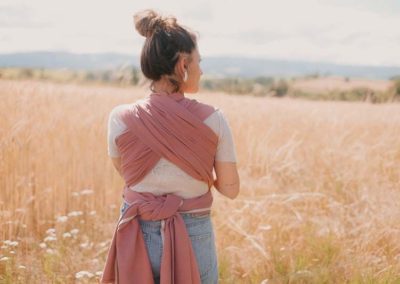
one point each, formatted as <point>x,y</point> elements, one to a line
<point>128,260</point>
<point>169,126</point>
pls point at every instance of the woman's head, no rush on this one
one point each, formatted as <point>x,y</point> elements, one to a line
<point>169,51</point>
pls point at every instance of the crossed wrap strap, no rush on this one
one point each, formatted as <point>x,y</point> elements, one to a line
<point>171,127</point>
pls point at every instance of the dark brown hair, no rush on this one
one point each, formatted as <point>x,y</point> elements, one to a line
<point>165,40</point>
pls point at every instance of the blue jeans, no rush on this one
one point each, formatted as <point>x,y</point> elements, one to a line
<point>201,233</point>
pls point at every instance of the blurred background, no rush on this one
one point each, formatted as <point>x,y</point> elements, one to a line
<point>311,91</point>
<point>329,49</point>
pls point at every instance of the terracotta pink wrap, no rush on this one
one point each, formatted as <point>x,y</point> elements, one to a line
<point>169,126</point>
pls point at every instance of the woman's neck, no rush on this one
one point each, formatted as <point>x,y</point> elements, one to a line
<point>162,86</point>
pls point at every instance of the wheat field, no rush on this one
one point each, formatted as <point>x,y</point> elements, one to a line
<point>319,200</point>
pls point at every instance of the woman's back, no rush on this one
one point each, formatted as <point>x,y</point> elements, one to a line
<point>166,177</point>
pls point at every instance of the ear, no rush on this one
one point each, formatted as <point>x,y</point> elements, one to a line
<point>181,65</point>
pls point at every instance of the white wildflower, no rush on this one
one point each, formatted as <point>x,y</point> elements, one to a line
<point>10,243</point>
<point>265,227</point>
<point>75,194</point>
<point>86,245</point>
<point>75,213</point>
<point>74,231</point>
<point>21,266</point>
<point>4,247</point>
<point>67,235</point>
<point>51,231</point>
<point>5,258</point>
<point>93,212</point>
<point>99,273</point>
<point>50,239</point>
<point>43,245</point>
<point>62,219</point>
<point>12,252</point>
<point>86,192</point>
<point>82,274</point>
<point>304,272</point>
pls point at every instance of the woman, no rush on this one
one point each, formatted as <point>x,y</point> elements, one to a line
<point>166,146</point>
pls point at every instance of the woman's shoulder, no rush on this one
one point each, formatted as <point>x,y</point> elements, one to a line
<point>217,121</point>
<point>215,115</point>
<point>200,109</point>
<point>115,121</point>
<point>117,110</point>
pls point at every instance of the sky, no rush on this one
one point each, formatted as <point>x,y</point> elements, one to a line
<point>352,32</point>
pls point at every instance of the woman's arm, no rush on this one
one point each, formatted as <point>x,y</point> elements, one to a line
<point>228,181</point>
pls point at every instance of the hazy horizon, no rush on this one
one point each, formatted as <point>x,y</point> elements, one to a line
<point>341,32</point>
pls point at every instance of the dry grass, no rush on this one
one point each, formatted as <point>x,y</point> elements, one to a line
<point>332,83</point>
<point>319,200</point>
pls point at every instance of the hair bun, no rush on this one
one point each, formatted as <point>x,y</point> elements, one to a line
<point>148,20</point>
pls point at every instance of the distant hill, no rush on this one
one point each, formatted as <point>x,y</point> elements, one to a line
<point>212,66</point>
<point>74,61</point>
